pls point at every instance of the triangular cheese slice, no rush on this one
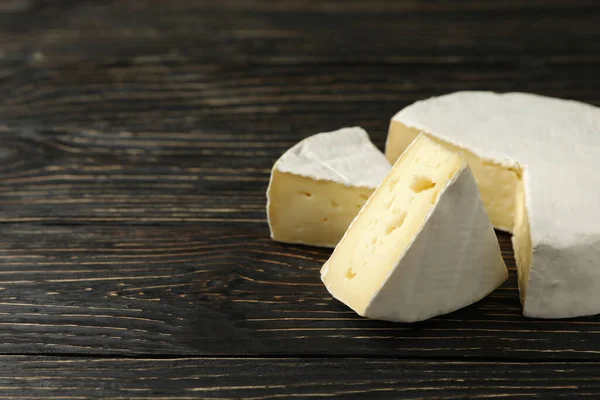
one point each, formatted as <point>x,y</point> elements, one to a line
<point>422,245</point>
<point>536,161</point>
<point>318,186</point>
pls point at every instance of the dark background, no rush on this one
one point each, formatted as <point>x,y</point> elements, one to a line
<point>136,143</point>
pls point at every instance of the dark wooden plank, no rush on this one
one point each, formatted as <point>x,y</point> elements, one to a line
<point>227,289</point>
<point>294,31</point>
<point>202,146</point>
<point>183,151</point>
<point>136,143</point>
<point>210,378</point>
<point>235,103</point>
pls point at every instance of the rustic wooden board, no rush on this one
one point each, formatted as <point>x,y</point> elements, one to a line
<point>66,157</point>
<point>227,289</point>
<point>136,140</point>
<point>168,228</point>
<point>304,32</point>
<point>209,378</point>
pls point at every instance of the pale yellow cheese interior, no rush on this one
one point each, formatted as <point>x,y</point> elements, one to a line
<point>497,183</point>
<point>501,190</point>
<point>386,226</point>
<point>310,211</point>
<point>522,242</point>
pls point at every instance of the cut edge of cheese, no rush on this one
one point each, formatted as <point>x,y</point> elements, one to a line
<point>404,258</point>
<point>508,210</point>
<point>312,212</point>
<point>521,241</point>
<point>490,175</point>
<point>318,186</point>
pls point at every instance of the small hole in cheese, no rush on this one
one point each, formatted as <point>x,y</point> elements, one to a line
<point>395,223</point>
<point>350,274</point>
<point>364,197</point>
<point>325,219</point>
<point>307,194</point>
<point>421,183</point>
<point>334,204</point>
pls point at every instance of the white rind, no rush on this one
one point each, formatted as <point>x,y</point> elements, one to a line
<point>345,156</point>
<point>557,143</point>
<point>453,261</point>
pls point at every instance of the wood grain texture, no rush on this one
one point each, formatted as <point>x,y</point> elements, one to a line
<point>304,32</point>
<point>228,289</point>
<point>136,141</point>
<point>273,104</point>
<point>209,378</point>
<point>89,144</point>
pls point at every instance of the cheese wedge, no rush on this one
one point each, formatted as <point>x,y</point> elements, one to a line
<point>423,244</point>
<point>318,186</point>
<point>536,160</point>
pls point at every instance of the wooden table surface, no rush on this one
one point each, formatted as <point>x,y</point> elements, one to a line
<point>137,139</point>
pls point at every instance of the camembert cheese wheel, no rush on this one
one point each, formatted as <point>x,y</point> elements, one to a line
<point>536,160</point>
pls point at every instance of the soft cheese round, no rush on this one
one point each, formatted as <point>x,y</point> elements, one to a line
<point>556,142</point>
<point>556,145</point>
<point>346,156</point>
